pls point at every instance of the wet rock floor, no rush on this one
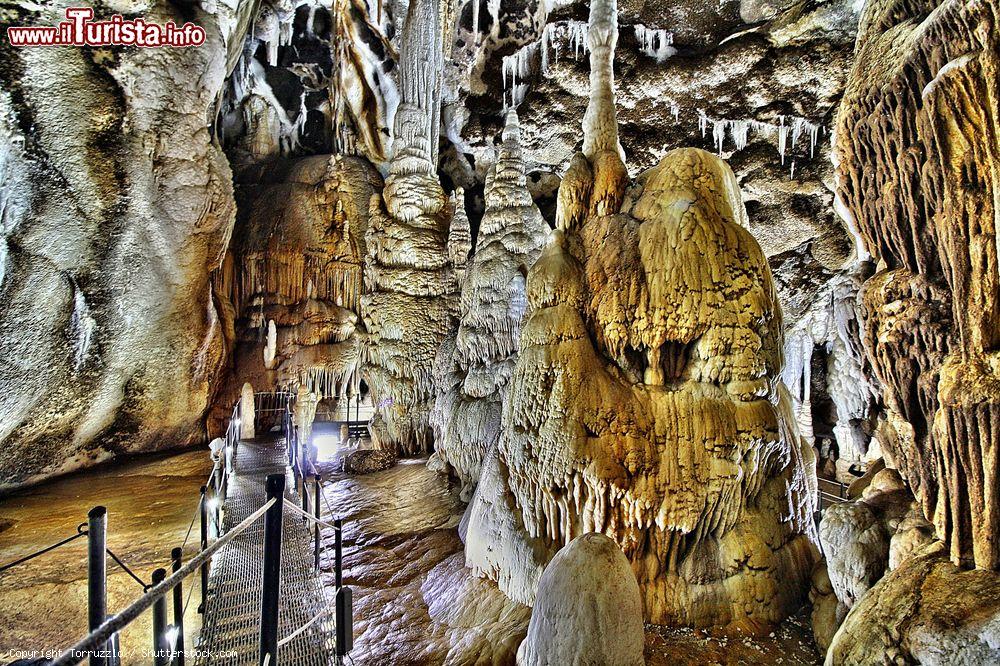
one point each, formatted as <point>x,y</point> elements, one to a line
<point>150,502</point>
<point>414,600</point>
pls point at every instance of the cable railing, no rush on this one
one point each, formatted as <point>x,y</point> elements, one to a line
<point>101,647</point>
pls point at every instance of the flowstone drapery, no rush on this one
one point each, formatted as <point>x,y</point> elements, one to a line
<point>297,276</point>
<point>472,370</point>
<point>918,172</point>
<point>646,402</point>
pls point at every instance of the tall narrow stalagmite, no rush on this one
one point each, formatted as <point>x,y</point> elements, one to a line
<point>472,371</point>
<point>412,301</point>
<point>646,400</point>
<point>600,123</point>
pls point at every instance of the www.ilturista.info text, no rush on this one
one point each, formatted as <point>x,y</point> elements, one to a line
<point>80,30</point>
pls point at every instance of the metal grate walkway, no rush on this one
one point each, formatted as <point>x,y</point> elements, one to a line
<point>230,631</point>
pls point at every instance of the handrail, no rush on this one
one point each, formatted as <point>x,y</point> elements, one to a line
<point>95,639</point>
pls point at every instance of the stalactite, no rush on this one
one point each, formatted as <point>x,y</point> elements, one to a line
<point>917,170</point>
<point>656,43</point>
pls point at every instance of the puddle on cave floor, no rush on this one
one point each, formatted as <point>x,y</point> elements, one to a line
<point>150,502</point>
<point>416,603</point>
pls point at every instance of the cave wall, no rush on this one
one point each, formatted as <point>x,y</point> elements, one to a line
<point>116,203</point>
<point>918,152</point>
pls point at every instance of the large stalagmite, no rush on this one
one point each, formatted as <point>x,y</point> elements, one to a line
<point>646,402</point>
<point>473,370</point>
<point>411,304</point>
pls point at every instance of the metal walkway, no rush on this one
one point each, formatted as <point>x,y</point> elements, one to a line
<point>230,633</point>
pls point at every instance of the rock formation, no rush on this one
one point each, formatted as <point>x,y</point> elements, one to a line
<point>588,609</point>
<point>928,611</point>
<point>312,78</point>
<point>411,304</point>
<point>673,434</point>
<point>859,549</point>
<point>917,172</point>
<point>472,370</point>
<point>297,273</point>
<point>116,205</point>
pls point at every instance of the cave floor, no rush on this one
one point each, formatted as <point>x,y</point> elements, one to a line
<point>150,500</point>
<point>416,603</point>
<point>414,600</point>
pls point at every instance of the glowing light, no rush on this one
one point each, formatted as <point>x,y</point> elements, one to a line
<point>172,634</point>
<point>326,446</point>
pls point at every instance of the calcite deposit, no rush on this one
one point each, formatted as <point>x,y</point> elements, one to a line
<point>297,275</point>
<point>472,371</point>
<point>723,362</point>
<point>917,156</point>
<point>672,435</point>
<point>411,302</point>
<point>588,609</point>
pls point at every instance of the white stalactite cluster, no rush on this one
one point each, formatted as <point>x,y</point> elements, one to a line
<point>472,370</point>
<point>657,43</point>
<point>645,402</point>
<point>412,300</point>
<point>739,132</point>
<point>833,323</point>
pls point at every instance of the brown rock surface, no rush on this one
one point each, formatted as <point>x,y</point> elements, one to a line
<point>927,611</point>
<point>917,155</point>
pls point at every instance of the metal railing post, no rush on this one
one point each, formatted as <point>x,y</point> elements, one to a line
<point>115,648</point>
<point>344,622</point>
<point>338,553</point>
<point>97,575</point>
<point>271,593</point>
<point>316,491</point>
<point>161,647</point>
<point>175,556</point>
<point>305,495</point>
<point>204,544</point>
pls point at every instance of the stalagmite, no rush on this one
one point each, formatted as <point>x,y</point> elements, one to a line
<point>247,412</point>
<point>472,371</point>
<point>411,302</point>
<point>459,236</point>
<point>306,402</point>
<point>588,611</point>
<point>645,402</point>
